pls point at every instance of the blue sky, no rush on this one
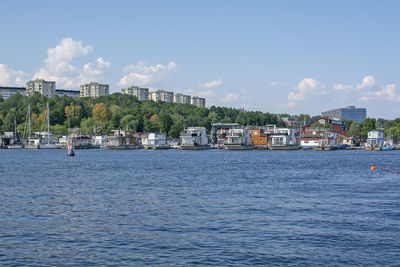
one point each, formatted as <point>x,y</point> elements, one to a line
<point>274,56</point>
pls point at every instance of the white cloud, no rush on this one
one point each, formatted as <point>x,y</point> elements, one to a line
<point>11,77</point>
<point>95,70</point>
<point>144,75</point>
<point>211,84</point>
<point>343,87</point>
<point>208,93</point>
<point>387,92</point>
<point>273,84</point>
<point>367,82</point>
<point>304,89</point>
<point>58,65</point>
<point>230,97</point>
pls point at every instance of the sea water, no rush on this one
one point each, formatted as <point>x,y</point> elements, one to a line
<point>174,208</point>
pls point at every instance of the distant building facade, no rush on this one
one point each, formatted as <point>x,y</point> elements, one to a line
<point>140,93</point>
<point>348,113</point>
<point>162,95</point>
<point>46,88</point>
<point>7,91</point>
<point>94,89</point>
<point>183,99</point>
<point>71,93</point>
<point>198,101</point>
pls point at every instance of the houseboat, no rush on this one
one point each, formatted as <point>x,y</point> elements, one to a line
<point>239,139</point>
<point>375,140</point>
<point>122,140</point>
<point>259,136</point>
<point>327,141</point>
<point>318,139</point>
<point>194,138</point>
<point>283,139</point>
<point>155,141</point>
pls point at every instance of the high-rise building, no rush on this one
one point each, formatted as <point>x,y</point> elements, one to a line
<point>140,93</point>
<point>198,101</point>
<point>347,113</point>
<point>181,98</point>
<point>94,90</point>
<point>162,95</point>
<point>47,88</point>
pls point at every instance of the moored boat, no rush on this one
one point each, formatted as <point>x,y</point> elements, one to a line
<point>239,139</point>
<point>194,138</point>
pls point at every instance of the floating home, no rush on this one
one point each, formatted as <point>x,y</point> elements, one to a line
<point>122,140</point>
<point>319,139</point>
<point>375,140</point>
<point>239,139</point>
<point>194,138</point>
<point>283,139</point>
<point>155,141</point>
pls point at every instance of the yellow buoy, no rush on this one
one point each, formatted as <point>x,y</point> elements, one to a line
<point>373,168</point>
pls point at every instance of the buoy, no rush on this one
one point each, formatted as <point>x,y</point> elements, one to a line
<point>373,168</point>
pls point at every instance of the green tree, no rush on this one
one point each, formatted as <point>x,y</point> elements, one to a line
<point>175,130</point>
<point>166,122</point>
<point>59,129</point>
<point>367,125</point>
<point>129,122</point>
<point>354,130</point>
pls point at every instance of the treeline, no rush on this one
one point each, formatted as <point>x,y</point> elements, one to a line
<point>360,131</point>
<point>103,114</point>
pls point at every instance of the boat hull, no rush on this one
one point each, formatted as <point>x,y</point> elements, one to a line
<point>373,148</point>
<point>123,147</point>
<point>323,148</point>
<point>284,147</point>
<point>157,147</point>
<point>49,146</point>
<point>239,147</point>
<point>199,147</point>
<point>31,147</point>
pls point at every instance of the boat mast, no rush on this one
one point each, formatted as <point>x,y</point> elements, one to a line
<point>29,120</point>
<point>15,131</point>
<point>48,124</point>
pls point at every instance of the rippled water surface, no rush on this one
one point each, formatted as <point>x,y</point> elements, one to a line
<point>289,208</point>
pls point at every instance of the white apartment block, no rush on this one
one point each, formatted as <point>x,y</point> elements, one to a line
<point>140,93</point>
<point>181,98</point>
<point>198,101</point>
<point>94,90</point>
<point>47,88</point>
<point>162,95</point>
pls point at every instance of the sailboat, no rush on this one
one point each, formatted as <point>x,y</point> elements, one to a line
<point>16,139</point>
<point>48,145</point>
<point>33,142</point>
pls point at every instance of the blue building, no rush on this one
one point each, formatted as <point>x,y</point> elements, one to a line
<point>348,113</point>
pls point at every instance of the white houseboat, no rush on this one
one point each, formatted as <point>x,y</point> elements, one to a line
<point>194,138</point>
<point>155,141</point>
<point>283,139</point>
<point>375,140</point>
<point>239,139</point>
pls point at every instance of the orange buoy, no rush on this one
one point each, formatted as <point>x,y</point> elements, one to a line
<point>373,168</point>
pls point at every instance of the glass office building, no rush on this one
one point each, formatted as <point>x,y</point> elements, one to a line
<point>348,113</point>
